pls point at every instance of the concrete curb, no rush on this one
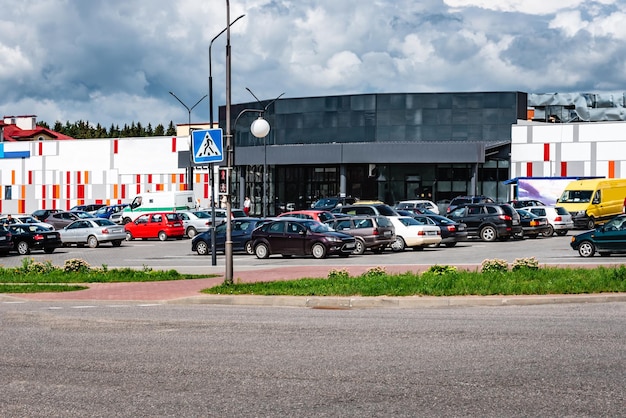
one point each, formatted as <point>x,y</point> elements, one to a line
<point>407,302</point>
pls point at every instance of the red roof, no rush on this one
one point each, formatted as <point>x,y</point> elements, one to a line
<point>14,133</point>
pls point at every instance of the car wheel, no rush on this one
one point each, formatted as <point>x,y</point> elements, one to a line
<point>48,250</point>
<point>561,232</point>
<point>191,232</point>
<point>398,244</point>
<point>129,236</point>
<point>262,251</point>
<point>359,247</point>
<point>586,249</point>
<point>548,232</point>
<point>23,248</point>
<point>450,244</point>
<point>318,250</point>
<point>117,243</point>
<point>488,233</point>
<point>248,247</point>
<point>92,242</point>
<point>202,248</point>
<point>126,221</point>
<point>162,236</point>
<point>591,223</point>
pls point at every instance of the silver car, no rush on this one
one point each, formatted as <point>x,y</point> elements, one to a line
<point>93,232</point>
<point>195,221</point>
<point>560,219</point>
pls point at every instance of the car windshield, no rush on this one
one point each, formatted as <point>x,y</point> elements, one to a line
<point>576,196</point>
<point>83,215</point>
<point>326,203</point>
<point>385,210</point>
<point>104,222</point>
<point>315,226</point>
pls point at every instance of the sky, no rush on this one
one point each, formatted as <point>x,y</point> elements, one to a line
<point>115,61</point>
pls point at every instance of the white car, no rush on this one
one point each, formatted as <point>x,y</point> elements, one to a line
<point>411,233</point>
<point>26,219</point>
<point>195,221</point>
<point>560,219</point>
<point>417,204</point>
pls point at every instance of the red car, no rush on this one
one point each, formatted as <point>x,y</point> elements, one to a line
<point>315,214</point>
<point>161,225</point>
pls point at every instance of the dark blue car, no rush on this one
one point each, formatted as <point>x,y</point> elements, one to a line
<point>606,239</point>
<point>240,235</point>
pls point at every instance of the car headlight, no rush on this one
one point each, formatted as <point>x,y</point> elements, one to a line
<point>334,239</point>
<point>581,213</point>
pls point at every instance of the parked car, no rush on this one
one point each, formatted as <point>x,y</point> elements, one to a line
<point>328,203</point>
<point>488,221</point>
<point>413,234</point>
<point>366,209</point>
<point>533,225</point>
<point>28,237</point>
<point>161,225</point>
<point>289,236</point>
<point>451,232</point>
<point>23,219</point>
<point>195,221</point>
<point>371,232</point>
<point>42,214</point>
<point>107,211</point>
<point>606,239</point>
<point>6,244</point>
<point>418,204</point>
<point>524,203</point>
<point>241,236</point>
<point>87,208</point>
<point>60,220</point>
<point>560,220</point>
<point>467,200</point>
<point>93,232</point>
<point>317,215</point>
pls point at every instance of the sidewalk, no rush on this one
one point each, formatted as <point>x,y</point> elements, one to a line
<point>188,292</point>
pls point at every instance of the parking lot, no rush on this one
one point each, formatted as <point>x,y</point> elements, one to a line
<point>177,254</point>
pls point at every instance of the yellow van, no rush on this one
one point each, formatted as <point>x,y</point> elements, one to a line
<point>593,201</point>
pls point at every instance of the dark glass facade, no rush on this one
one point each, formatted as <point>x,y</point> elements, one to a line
<point>376,146</point>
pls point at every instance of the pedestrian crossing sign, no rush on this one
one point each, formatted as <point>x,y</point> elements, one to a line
<point>207,146</point>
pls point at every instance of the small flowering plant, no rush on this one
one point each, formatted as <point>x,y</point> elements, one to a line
<point>338,274</point>
<point>494,265</point>
<point>377,271</point>
<point>529,263</point>
<point>441,270</point>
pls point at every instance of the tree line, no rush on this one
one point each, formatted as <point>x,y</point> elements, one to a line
<point>83,129</point>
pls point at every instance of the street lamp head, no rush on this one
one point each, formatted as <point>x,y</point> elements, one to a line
<point>260,128</point>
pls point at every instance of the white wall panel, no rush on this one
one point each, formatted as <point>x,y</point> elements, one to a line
<point>602,131</point>
<point>610,151</point>
<point>553,132</point>
<point>526,152</point>
<point>519,134</point>
<point>576,152</point>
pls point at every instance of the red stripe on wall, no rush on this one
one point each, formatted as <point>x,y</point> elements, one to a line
<point>43,191</point>
<point>138,189</point>
<point>123,191</point>
<point>181,178</point>
<point>206,191</point>
<point>68,193</point>
<point>78,177</point>
<point>30,176</point>
<point>173,144</point>
<point>41,148</point>
<point>149,178</point>
<point>21,206</point>
<point>68,177</point>
<point>546,152</point>
<point>529,169</point>
<point>138,178</point>
<point>80,191</point>
<point>563,168</point>
<point>115,146</point>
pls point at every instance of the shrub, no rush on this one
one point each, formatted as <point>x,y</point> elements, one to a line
<point>529,263</point>
<point>76,265</point>
<point>31,266</point>
<point>374,272</point>
<point>440,270</point>
<point>494,265</point>
<point>338,274</point>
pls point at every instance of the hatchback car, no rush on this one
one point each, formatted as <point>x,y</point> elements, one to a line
<point>488,221</point>
<point>290,236</point>
<point>451,232</point>
<point>161,225</point>
<point>60,220</point>
<point>241,236</point>
<point>524,203</point>
<point>42,214</point>
<point>418,204</point>
<point>467,200</point>
<point>93,232</point>
<point>413,234</point>
<point>27,237</point>
<point>23,219</point>
<point>317,215</point>
<point>107,211</point>
<point>533,225</point>
<point>371,232</point>
<point>560,220</point>
<point>195,221</point>
<point>606,239</point>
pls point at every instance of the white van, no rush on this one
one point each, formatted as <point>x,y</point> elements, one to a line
<point>157,202</point>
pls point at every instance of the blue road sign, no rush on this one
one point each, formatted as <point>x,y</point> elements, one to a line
<point>208,146</point>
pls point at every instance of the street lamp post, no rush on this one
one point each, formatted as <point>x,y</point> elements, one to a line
<point>189,109</point>
<point>211,166</point>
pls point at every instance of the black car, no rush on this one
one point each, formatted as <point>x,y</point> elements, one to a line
<point>451,231</point>
<point>241,235</point>
<point>42,214</point>
<point>6,244</point>
<point>606,239</point>
<point>328,203</point>
<point>467,200</point>
<point>292,236</point>
<point>533,225</point>
<point>488,221</point>
<point>27,237</point>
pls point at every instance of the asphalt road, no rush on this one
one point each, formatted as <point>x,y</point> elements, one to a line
<point>176,254</point>
<point>101,360</point>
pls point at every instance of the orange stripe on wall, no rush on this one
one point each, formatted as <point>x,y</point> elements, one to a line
<point>21,206</point>
<point>611,169</point>
<point>56,191</point>
<point>23,192</point>
<point>115,191</point>
<point>86,177</point>
<point>173,179</point>
<point>13,177</point>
